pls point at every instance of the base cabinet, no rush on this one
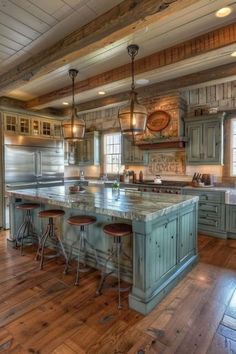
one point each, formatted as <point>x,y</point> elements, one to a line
<point>231,221</point>
<point>211,211</point>
<point>164,250</point>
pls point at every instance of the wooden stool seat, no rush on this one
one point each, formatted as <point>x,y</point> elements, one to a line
<point>53,213</point>
<point>27,206</point>
<point>80,220</point>
<point>118,229</point>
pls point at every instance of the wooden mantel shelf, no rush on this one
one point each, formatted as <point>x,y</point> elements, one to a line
<point>167,143</point>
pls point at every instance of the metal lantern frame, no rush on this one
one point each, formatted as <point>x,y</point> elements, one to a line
<point>132,116</point>
<point>73,128</point>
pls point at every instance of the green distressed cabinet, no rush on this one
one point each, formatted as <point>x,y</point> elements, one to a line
<point>187,243</point>
<point>231,221</point>
<point>211,211</point>
<point>28,124</point>
<point>87,151</point>
<point>205,139</point>
<point>132,154</point>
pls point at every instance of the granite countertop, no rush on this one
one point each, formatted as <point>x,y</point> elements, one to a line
<point>136,205</point>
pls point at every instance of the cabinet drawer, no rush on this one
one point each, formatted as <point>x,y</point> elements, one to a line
<point>210,209</point>
<point>206,222</point>
<point>206,195</point>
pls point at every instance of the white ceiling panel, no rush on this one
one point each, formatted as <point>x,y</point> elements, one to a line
<point>49,6</point>
<point>9,43</point>
<point>101,6</point>
<point>22,15</point>
<point>63,12</point>
<point>35,11</point>
<point>13,35</point>
<point>18,26</point>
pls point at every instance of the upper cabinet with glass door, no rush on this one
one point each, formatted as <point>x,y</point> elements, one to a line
<point>32,125</point>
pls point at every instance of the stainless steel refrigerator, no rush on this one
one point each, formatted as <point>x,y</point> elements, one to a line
<point>31,162</point>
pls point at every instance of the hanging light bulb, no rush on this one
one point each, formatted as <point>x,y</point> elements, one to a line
<point>132,116</point>
<point>74,128</point>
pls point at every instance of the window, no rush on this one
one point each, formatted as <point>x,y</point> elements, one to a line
<point>233,147</point>
<point>112,153</point>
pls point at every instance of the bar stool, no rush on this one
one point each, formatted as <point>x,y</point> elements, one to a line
<point>26,229</point>
<point>50,234</point>
<point>82,221</point>
<point>117,231</point>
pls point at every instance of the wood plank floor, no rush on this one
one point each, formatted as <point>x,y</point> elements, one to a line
<point>42,311</point>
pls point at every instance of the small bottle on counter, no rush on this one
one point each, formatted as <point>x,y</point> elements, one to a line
<point>141,176</point>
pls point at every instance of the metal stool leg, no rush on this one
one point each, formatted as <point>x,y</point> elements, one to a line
<point>118,270</point>
<point>78,259</point>
<point>47,234</point>
<point>104,274</point>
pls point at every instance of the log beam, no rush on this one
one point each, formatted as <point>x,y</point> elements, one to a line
<point>122,20</point>
<point>200,45</point>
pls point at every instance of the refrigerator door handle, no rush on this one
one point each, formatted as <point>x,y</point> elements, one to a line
<point>38,164</point>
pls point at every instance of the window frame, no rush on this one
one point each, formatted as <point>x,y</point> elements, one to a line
<point>232,148</point>
<point>119,165</point>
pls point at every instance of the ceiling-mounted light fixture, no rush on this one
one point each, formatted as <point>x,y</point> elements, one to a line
<point>223,12</point>
<point>74,128</point>
<point>132,116</point>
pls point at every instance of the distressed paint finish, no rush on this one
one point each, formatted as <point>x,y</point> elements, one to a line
<point>161,224</point>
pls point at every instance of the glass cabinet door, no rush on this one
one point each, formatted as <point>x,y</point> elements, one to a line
<point>35,126</point>
<point>10,122</point>
<point>46,128</point>
<point>24,125</point>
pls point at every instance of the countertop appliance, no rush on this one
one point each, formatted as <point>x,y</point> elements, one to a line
<point>31,162</point>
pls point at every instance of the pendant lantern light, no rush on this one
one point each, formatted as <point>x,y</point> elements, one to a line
<point>132,116</point>
<point>74,128</point>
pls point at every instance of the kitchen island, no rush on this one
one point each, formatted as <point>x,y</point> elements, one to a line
<point>163,247</point>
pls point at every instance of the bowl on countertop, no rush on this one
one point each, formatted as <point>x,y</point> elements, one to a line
<point>74,189</point>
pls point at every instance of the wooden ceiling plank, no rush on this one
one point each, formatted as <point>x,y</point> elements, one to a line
<point>191,48</point>
<point>164,87</point>
<point>120,21</point>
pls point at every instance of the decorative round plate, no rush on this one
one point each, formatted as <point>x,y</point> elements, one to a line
<point>158,120</point>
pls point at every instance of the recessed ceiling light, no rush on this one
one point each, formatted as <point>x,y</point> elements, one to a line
<point>65,103</point>
<point>101,92</point>
<point>224,11</point>
<point>142,81</point>
<point>233,54</point>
